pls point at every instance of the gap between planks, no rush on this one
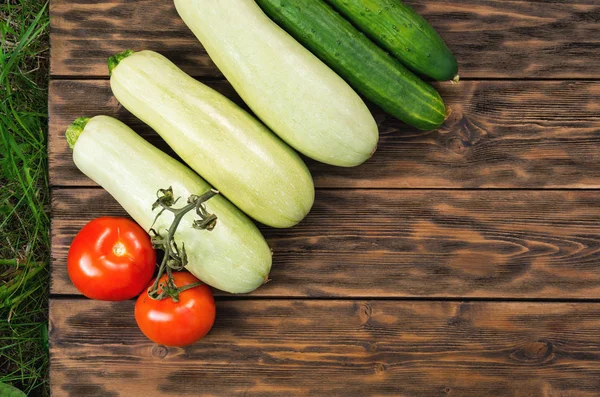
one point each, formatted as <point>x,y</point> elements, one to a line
<point>227,298</point>
<point>482,79</point>
<point>444,189</point>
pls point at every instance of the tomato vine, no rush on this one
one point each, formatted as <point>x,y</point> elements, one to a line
<point>175,258</point>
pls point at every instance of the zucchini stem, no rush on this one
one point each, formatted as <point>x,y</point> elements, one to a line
<point>75,129</point>
<point>114,60</point>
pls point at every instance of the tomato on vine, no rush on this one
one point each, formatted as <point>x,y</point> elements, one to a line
<point>111,259</point>
<point>183,313</point>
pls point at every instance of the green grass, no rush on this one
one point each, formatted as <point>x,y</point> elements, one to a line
<point>24,195</point>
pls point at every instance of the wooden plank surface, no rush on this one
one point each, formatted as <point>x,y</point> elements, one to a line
<point>367,235</point>
<point>334,348</point>
<point>399,243</point>
<point>505,39</point>
<point>503,134</point>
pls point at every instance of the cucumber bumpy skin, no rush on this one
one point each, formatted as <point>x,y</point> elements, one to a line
<point>399,29</point>
<point>377,75</point>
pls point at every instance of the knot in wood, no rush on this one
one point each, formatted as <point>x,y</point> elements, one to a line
<point>364,313</point>
<point>372,347</point>
<point>160,351</point>
<point>457,322</point>
<point>458,146</point>
<point>463,134</point>
<point>533,352</point>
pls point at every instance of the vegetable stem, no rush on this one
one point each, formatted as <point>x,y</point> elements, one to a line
<point>176,258</point>
<point>448,112</point>
<point>75,129</point>
<point>114,60</point>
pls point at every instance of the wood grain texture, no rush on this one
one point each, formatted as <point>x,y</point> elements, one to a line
<point>399,243</point>
<point>500,134</point>
<point>515,39</point>
<point>334,348</point>
<point>368,237</point>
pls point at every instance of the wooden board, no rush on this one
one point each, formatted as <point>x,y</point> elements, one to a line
<point>336,348</point>
<point>416,243</point>
<point>459,262</point>
<point>507,39</point>
<point>501,134</point>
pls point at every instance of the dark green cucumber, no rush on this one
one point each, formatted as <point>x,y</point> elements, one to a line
<point>397,28</point>
<point>367,68</point>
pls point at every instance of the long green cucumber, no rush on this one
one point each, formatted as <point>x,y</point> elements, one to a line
<point>367,68</point>
<point>398,28</point>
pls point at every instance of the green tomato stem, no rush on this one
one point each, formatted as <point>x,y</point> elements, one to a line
<point>174,257</point>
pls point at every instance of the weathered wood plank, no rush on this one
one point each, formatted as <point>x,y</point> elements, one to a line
<point>334,348</point>
<point>500,134</point>
<point>516,39</point>
<point>399,243</point>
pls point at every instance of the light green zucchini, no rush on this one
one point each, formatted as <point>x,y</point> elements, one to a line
<point>288,88</point>
<point>234,257</point>
<point>228,147</point>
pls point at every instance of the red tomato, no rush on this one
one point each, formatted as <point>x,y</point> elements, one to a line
<point>111,259</point>
<point>177,323</point>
